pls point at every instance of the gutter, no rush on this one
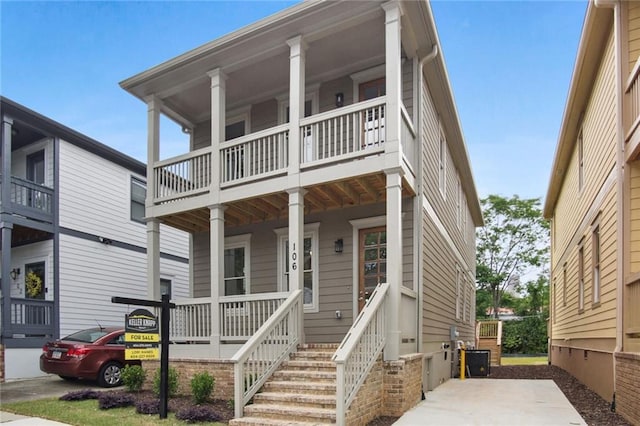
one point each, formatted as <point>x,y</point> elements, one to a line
<point>620,175</point>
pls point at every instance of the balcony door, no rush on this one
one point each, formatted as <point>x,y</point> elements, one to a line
<point>373,130</point>
<point>372,262</point>
<point>35,174</point>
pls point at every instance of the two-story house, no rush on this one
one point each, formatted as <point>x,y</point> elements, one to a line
<point>593,202</point>
<point>73,236</point>
<point>331,206</point>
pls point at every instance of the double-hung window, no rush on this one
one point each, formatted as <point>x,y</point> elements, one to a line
<point>236,265</point>
<point>138,195</point>
<point>308,261</point>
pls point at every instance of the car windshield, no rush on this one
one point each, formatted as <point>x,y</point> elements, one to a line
<point>87,336</point>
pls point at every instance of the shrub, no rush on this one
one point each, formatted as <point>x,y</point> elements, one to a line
<point>133,377</point>
<point>525,336</point>
<point>202,386</point>
<point>173,382</point>
<point>198,413</point>
<point>148,406</point>
<point>80,395</point>
<point>115,400</point>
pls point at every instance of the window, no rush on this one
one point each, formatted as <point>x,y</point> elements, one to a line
<point>581,278</point>
<point>595,242</point>
<point>580,161</point>
<point>458,293</point>
<point>442,159</point>
<point>34,281</point>
<point>236,265</point>
<point>165,287</point>
<point>138,195</point>
<point>564,285</point>
<point>465,310</point>
<point>458,203</point>
<point>554,299</point>
<point>463,227</point>
<point>309,263</point>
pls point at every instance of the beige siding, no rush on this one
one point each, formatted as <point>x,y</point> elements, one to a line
<point>407,86</point>
<point>329,89</point>
<point>634,32</point>
<point>574,223</point>
<point>599,139</point>
<point>634,207</point>
<point>264,115</point>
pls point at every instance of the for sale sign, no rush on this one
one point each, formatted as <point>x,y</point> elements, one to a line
<point>141,336</point>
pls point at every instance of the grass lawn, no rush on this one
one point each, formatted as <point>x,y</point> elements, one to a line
<point>87,413</point>
<point>516,360</point>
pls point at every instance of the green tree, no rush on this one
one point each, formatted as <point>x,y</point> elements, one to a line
<point>513,243</point>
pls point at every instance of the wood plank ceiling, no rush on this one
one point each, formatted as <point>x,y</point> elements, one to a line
<point>362,190</point>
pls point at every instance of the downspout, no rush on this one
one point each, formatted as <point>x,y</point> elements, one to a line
<point>618,62</point>
<point>418,208</point>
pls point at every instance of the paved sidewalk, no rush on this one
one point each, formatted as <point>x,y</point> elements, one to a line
<point>493,402</point>
<point>17,420</point>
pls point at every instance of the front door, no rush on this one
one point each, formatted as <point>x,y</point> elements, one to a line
<point>372,262</point>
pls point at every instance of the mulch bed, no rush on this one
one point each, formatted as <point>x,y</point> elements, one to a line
<point>593,409</point>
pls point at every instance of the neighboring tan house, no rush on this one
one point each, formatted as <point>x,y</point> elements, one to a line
<point>326,161</point>
<point>73,236</point>
<point>593,203</point>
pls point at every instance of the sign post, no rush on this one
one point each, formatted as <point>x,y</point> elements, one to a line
<point>144,319</point>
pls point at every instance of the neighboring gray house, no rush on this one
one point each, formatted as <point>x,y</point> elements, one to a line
<point>326,160</point>
<point>73,236</point>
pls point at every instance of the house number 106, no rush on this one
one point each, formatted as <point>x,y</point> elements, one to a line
<point>294,257</point>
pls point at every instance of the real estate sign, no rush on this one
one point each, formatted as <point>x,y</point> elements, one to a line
<point>141,336</point>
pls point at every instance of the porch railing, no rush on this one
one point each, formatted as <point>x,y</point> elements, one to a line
<point>266,350</point>
<point>254,156</point>
<point>32,317</point>
<point>343,133</point>
<point>242,316</point>
<point>359,350</point>
<point>408,138</point>
<point>31,199</point>
<point>632,92</point>
<point>183,176</point>
<point>191,320</point>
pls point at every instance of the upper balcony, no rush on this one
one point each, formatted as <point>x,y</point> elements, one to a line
<point>29,199</point>
<point>353,71</point>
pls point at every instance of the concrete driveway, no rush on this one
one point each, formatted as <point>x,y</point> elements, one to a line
<point>493,402</point>
<point>40,388</point>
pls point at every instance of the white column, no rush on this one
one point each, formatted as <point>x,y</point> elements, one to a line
<point>394,262</point>
<point>153,226</point>
<point>297,48</point>
<point>393,73</point>
<point>216,235</point>
<point>218,119</point>
<point>296,249</point>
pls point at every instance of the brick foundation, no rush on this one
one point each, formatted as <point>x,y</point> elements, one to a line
<point>391,389</point>
<point>221,370</point>
<point>627,379</point>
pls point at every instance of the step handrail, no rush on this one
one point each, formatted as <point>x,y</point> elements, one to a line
<point>263,353</point>
<point>366,338</point>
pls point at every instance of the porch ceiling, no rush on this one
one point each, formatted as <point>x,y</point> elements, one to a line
<point>362,190</point>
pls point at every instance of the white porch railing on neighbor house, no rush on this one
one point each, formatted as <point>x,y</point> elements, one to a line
<point>256,155</point>
<point>633,100</point>
<point>266,350</point>
<point>241,316</point>
<point>183,176</point>
<point>359,350</point>
<point>343,133</point>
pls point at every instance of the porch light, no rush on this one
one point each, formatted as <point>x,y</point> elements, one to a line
<point>338,245</point>
<point>15,272</point>
<point>339,99</point>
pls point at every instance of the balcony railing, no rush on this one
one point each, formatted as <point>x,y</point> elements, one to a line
<point>32,317</point>
<point>632,92</point>
<point>338,135</point>
<point>240,317</point>
<point>31,199</point>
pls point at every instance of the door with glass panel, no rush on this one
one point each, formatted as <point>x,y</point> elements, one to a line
<point>372,262</point>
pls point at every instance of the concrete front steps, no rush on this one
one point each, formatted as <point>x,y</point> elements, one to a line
<point>301,392</point>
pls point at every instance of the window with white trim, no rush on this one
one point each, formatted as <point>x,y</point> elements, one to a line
<point>236,265</point>
<point>138,195</point>
<point>442,162</point>
<point>309,263</point>
<point>581,278</point>
<point>458,293</point>
<point>595,259</point>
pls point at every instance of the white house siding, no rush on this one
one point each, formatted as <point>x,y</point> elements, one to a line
<point>33,253</point>
<point>336,284</point>
<point>91,273</point>
<point>95,199</point>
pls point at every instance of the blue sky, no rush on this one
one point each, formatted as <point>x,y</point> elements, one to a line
<point>509,64</point>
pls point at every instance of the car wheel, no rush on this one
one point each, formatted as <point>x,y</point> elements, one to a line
<point>68,378</point>
<point>110,374</point>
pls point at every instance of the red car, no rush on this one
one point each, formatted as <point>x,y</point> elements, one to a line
<point>95,354</point>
